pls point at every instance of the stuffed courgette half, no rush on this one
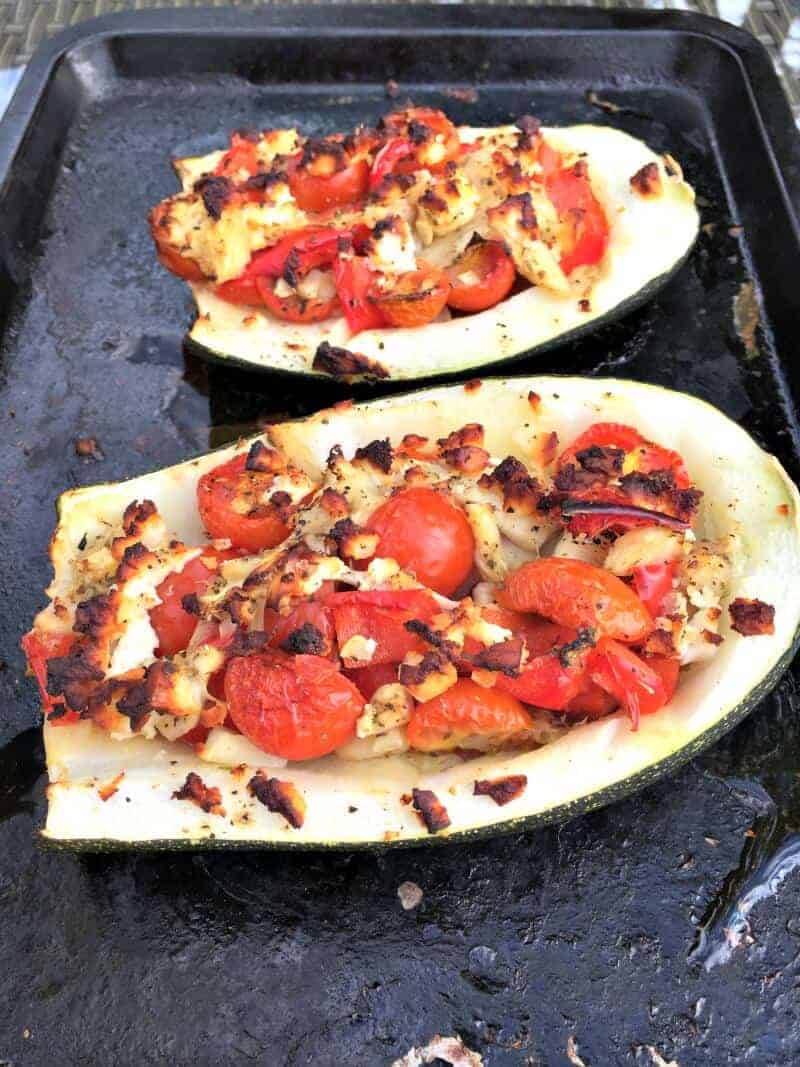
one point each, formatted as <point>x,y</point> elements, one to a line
<point>415,249</point>
<point>454,612</point>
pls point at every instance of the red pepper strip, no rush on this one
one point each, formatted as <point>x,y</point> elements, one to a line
<point>641,688</point>
<point>386,160</point>
<point>652,582</point>
<point>354,278</point>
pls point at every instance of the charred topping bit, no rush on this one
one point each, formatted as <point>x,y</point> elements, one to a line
<point>712,638</point>
<point>136,515</point>
<point>342,363</point>
<point>661,642</point>
<point>521,491</point>
<point>471,434</point>
<point>246,643</point>
<point>431,810</point>
<point>529,128</point>
<point>74,678</point>
<point>352,541</point>
<point>433,662</point>
<point>549,449</point>
<point>282,503</point>
<point>378,453</point>
<point>306,640</point>
<point>752,617</point>
<point>527,217</point>
<point>505,656</point>
<point>215,191</point>
<point>191,604</point>
<point>264,460</point>
<point>421,629</point>
<point>566,653</point>
<point>89,447</point>
<point>600,460</point>
<point>93,615</point>
<point>259,182</point>
<point>469,459</point>
<point>501,790</point>
<point>647,180</point>
<point>534,400</point>
<point>283,798</point>
<point>584,305</point>
<point>207,798</point>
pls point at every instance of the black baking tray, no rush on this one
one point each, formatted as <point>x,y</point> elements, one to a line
<point>604,939</point>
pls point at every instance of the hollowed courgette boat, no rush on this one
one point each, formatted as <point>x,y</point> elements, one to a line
<point>694,541</point>
<point>419,249</point>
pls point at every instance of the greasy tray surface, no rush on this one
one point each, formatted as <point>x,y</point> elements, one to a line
<point>518,944</point>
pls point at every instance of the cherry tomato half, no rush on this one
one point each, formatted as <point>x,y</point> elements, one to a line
<point>578,594</point>
<point>317,193</point>
<point>368,679</point>
<point>466,711</point>
<point>299,707</point>
<point>242,156</point>
<point>481,277</point>
<point>230,500</point>
<point>415,299</point>
<point>173,625</point>
<point>294,308</point>
<point>427,535</point>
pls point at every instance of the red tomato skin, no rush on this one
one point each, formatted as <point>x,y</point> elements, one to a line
<point>215,492</point>
<point>242,155</point>
<point>354,279</point>
<point>640,686</point>
<point>317,194</point>
<point>580,595</point>
<point>368,679</point>
<point>174,626</point>
<point>299,707</point>
<point>383,622</point>
<point>404,306</point>
<point>591,702</point>
<point>38,649</point>
<point>649,456</point>
<point>293,308</point>
<point>497,273</point>
<point>387,158</point>
<point>545,682</point>
<point>427,535</point>
<point>573,199</point>
<point>309,612</point>
<point>465,710</point>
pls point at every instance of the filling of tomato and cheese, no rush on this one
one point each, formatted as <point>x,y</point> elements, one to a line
<point>419,595</point>
<point>390,227</point>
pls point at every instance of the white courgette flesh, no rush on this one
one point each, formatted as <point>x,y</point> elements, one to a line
<point>353,803</point>
<point>649,238</point>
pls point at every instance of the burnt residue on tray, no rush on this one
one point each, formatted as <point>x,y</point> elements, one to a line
<point>665,926</point>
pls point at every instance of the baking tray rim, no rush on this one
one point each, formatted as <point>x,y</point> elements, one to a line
<point>769,103</point>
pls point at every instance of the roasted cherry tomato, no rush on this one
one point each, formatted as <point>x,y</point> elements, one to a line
<point>308,628</point>
<point>546,682</point>
<point>415,299</point>
<point>652,582</point>
<point>464,712</point>
<point>640,685</point>
<point>169,257</point>
<point>294,308</point>
<point>387,159</point>
<point>368,679</point>
<point>640,454</point>
<point>354,279</point>
<point>296,707</point>
<point>39,648</point>
<point>433,138</point>
<point>481,277</point>
<point>380,616</point>
<point>174,626</point>
<point>427,535</point>
<point>317,193</point>
<point>580,595</point>
<point>232,505</point>
<point>240,159</point>
<point>584,236</point>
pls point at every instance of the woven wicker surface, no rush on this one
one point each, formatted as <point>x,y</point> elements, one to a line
<point>776,23</point>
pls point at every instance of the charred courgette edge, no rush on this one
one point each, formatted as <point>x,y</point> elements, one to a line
<point>650,238</point>
<point>595,763</point>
